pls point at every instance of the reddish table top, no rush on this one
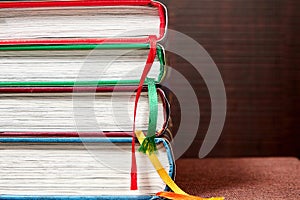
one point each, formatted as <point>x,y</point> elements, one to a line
<point>241,178</point>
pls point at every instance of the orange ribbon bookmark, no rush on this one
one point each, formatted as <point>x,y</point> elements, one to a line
<point>178,192</point>
<point>172,195</point>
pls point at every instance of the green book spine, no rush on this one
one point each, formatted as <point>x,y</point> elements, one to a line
<point>160,56</point>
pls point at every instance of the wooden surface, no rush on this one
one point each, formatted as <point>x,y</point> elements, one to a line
<point>256,47</point>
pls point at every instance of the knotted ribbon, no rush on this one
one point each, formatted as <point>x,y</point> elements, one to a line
<point>147,143</point>
<point>177,193</point>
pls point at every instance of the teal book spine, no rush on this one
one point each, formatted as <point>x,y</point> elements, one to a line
<point>69,140</point>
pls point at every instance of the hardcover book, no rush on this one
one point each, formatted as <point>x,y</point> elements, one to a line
<point>67,110</point>
<point>69,65</point>
<point>77,168</point>
<point>93,21</point>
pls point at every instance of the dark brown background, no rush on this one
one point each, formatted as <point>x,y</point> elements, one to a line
<point>256,47</point>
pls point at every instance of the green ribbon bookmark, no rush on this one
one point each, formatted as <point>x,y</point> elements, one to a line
<point>149,144</point>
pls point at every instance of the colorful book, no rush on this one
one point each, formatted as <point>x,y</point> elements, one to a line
<point>74,65</point>
<point>66,111</point>
<point>92,21</point>
<point>77,168</point>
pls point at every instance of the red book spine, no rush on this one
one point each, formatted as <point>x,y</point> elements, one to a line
<point>39,4</point>
<point>101,89</point>
<point>65,134</point>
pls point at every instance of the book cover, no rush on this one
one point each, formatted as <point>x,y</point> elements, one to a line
<point>83,111</point>
<point>77,168</point>
<point>78,65</point>
<point>81,22</point>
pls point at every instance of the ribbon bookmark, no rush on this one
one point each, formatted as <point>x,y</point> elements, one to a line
<point>148,145</point>
<point>149,142</point>
<point>178,192</point>
<point>151,56</point>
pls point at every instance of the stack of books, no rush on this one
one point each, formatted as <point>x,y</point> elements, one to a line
<point>70,74</point>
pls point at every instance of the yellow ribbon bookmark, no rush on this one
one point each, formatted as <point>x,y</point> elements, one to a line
<point>178,193</point>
